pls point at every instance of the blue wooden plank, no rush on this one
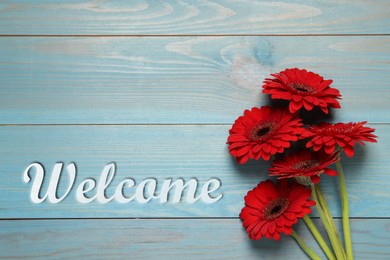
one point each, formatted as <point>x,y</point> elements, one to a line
<point>169,239</point>
<point>194,17</point>
<point>179,79</point>
<point>162,152</point>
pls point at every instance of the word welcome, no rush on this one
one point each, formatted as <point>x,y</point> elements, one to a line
<point>144,191</point>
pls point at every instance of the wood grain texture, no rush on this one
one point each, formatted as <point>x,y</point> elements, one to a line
<point>154,86</point>
<point>161,152</point>
<point>194,17</point>
<point>170,239</point>
<point>179,80</point>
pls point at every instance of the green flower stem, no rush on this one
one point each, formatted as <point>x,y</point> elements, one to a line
<point>304,246</point>
<point>329,226</point>
<point>326,210</point>
<point>345,211</point>
<point>317,235</point>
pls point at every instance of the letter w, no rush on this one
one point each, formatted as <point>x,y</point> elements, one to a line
<point>53,184</point>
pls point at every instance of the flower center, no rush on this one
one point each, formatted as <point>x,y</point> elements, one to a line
<point>262,131</point>
<point>275,208</point>
<point>306,165</point>
<point>302,88</point>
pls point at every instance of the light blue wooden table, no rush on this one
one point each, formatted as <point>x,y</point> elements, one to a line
<point>154,87</point>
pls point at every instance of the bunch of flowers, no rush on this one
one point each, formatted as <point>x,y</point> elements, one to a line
<point>268,133</point>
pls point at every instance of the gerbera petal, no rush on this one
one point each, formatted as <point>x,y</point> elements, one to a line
<point>349,151</point>
<point>271,227</point>
<point>309,144</point>
<point>266,156</point>
<point>242,160</point>
<point>287,230</point>
<point>260,133</point>
<point>330,172</point>
<point>266,148</point>
<point>324,109</point>
<point>340,143</point>
<point>297,98</point>
<point>302,88</point>
<point>345,135</point>
<point>264,229</point>
<point>308,105</point>
<point>330,149</point>
<point>240,151</point>
<point>285,95</point>
<point>309,99</point>
<point>267,216</point>
<point>335,104</point>
<point>303,164</point>
<point>279,222</point>
<point>294,106</point>
<point>306,134</point>
<point>237,138</point>
<point>315,179</point>
<point>317,147</point>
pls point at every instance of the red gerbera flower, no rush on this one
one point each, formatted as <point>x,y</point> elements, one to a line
<point>327,136</point>
<point>262,132</point>
<point>272,209</point>
<point>304,164</point>
<point>302,88</point>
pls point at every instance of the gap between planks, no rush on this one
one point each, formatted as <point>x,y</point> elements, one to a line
<point>150,124</point>
<point>158,218</point>
<point>193,35</point>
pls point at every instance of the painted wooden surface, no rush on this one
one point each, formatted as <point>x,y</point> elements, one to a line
<point>194,17</point>
<point>167,239</point>
<point>161,152</point>
<point>180,79</point>
<point>154,86</point>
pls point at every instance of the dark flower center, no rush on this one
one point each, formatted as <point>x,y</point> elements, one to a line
<point>306,165</point>
<point>302,88</point>
<point>275,208</point>
<point>262,131</point>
